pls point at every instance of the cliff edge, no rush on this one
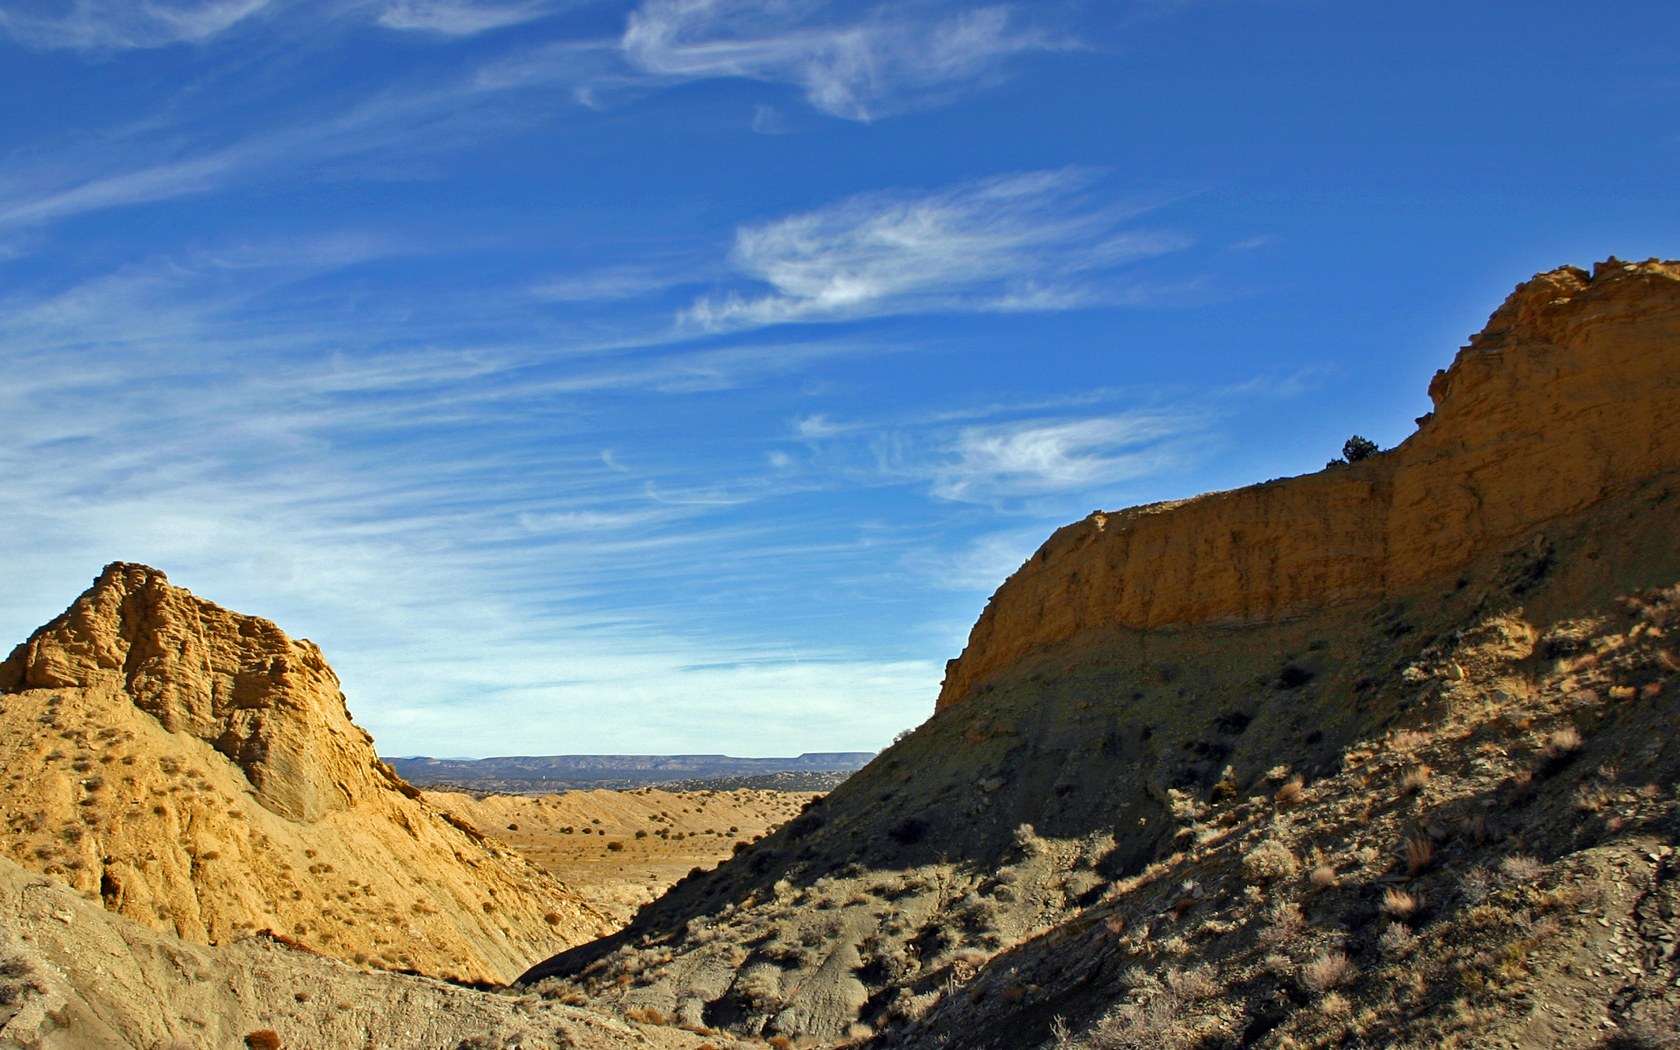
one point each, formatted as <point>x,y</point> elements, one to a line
<point>1567,396</point>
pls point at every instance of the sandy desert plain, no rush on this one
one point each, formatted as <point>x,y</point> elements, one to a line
<point>619,850</point>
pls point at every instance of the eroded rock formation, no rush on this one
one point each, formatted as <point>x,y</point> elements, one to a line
<point>1567,397</point>
<point>199,770</point>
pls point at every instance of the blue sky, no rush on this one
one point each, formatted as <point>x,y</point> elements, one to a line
<point>682,375</point>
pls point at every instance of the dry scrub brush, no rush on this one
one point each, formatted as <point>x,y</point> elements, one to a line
<point>1415,780</point>
<point>1420,853</point>
<point>1291,792</point>
<point>1400,904</point>
<point>1165,1020</point>
<point>1268,861</point>
<point>1327,971</point>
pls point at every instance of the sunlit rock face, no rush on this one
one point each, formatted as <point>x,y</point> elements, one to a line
<point>1566,397</point>
<point>199,770</point>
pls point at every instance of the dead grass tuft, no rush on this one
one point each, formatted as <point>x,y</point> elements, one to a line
<point>1269,860</point>
<point>1400,904</point>
<point>1291,792</point>
<point>1283,924</point>
<point>1194,984</point>
<point>1397,939</point>
<point>1330,970</point>
<point>1518,868</point>
<point>1323,877</point>
<point>1420,853</point>
<point>1564,742</point>
<point>1407,740</point>
<point>1415,780</point>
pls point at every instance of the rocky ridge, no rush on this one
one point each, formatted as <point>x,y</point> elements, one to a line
<point>1567,394</point>
<point>198,771</point>
<point>1192,748</point>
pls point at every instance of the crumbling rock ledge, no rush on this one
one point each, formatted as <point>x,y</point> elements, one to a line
<point>1566,397</point>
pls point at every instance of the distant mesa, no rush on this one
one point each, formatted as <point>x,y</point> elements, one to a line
<point>551,773</point>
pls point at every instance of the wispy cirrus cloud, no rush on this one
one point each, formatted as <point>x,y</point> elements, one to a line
<point>1010,243</point>
<point>147,164</point>
<point>628,281</point>
<point>1041,457</point>
<point>433,508</point>
<point>113,25</point>
<point>893,58</point>
<point>1020,457</point>
<point>467,17</point>
<point>858,67</point>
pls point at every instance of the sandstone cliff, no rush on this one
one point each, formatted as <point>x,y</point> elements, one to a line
<point>1192,748</point>
<point>199,771</point>
<point>1566,397</point>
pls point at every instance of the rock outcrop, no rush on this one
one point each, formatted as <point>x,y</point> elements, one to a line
<point>1191,748</point>
<point>1566,397</point>
<point>199,771</point>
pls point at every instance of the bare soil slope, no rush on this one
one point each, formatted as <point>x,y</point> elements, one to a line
<point>198,771</point>
<point>619,850</point>
<point>1099,839</point>
<point>76,977</point>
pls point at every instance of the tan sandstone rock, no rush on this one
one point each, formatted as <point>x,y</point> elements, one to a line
<point>1566,398</point>
<point>199,771</point>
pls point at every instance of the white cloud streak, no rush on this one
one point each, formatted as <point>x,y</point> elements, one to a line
<point>857,70</point>
<point>437,519</point>
<point>114,25</point>
<point>1039,457</point>
<point>611,283</point>
<point>1011,243</point>
<point>466,17</point>
<point>880,64</point>
<point>81,181</point>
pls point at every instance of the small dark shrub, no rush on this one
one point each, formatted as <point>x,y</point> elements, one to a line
<point>1357,448</point>
<point>1233,722</point>
<point>263,1039</point>
<point>1293,677</point>
<point>908,831</point>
